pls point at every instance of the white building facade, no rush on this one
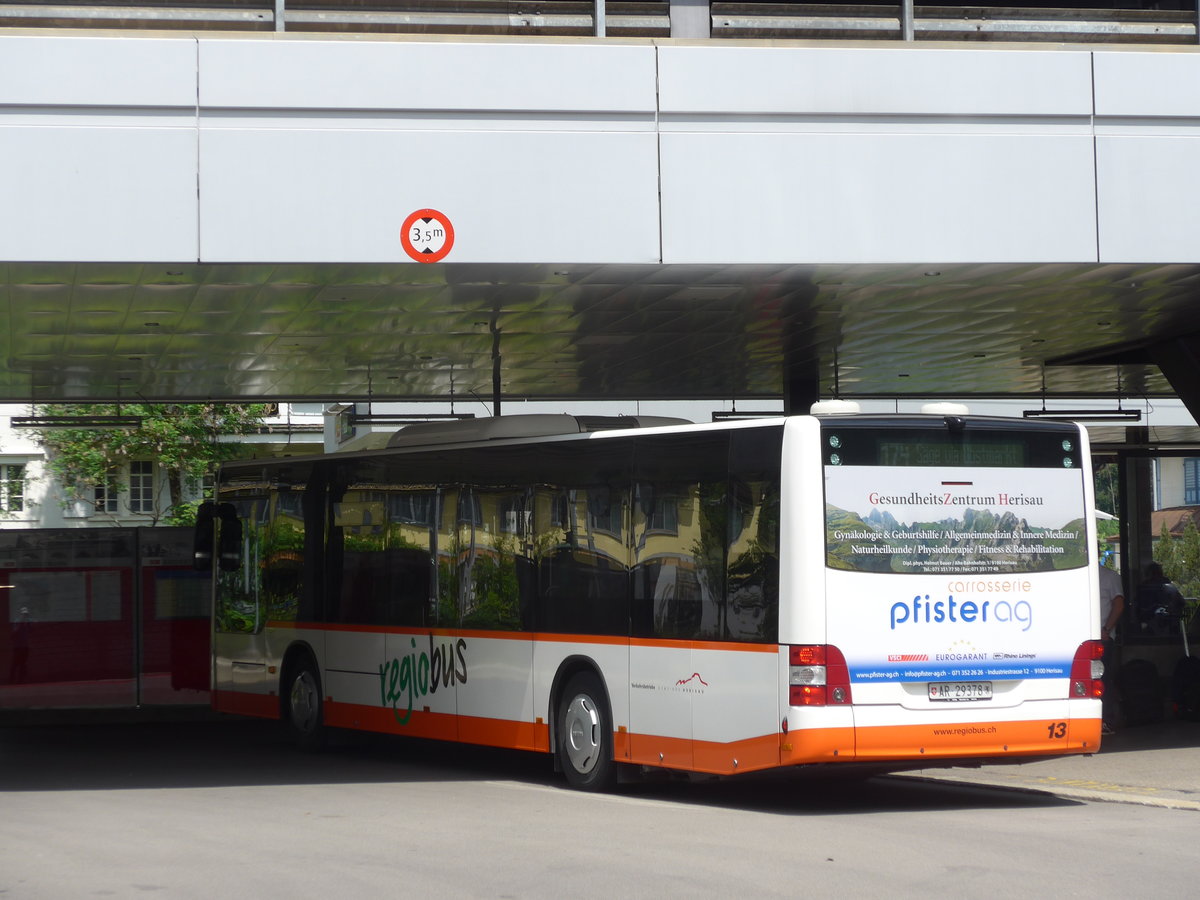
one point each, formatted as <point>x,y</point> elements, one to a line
<point>139,494</point>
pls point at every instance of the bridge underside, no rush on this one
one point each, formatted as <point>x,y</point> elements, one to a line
<point>211,217</point>
<point>108,331</point>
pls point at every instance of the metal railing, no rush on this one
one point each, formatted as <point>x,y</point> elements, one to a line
<point>632,18</point>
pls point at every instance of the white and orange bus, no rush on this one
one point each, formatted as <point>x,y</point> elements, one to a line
<point>715,598</point>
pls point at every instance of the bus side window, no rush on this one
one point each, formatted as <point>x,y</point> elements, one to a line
<point>752,577</point>
<point>491,599</point>
<point>241,589</point>
<point>412,520</point>
<point>358,548</point>
<point>678,544</point>
<point>581,540</point>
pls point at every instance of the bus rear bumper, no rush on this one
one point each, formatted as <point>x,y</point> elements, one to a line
<point>1037,737</point>
<point>936,738</point>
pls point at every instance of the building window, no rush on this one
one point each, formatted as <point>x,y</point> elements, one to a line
<point>141,490</point>
<point>105,495</point>
<point>12,487</point>
<point>141,487</point>
<point>1191,481</point>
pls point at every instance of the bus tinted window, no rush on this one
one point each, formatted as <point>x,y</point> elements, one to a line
<point>580,540</point>
<point>752,574</point>
<point>679,533</point>
<point>705,536</point>
<point>934,444</point>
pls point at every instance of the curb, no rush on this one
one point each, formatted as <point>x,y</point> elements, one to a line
<point>1070,788</point>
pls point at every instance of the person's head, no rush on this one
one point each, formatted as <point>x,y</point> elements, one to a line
<point>1154,572</point>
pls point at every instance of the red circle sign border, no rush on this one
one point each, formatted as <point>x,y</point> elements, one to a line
<point>413,251</point>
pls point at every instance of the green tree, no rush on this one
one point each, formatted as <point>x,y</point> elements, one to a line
<point>182,438</point>
<point>1179,556</point>
<point>1106,481</point>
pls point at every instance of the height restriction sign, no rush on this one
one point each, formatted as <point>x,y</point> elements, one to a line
<point>427,235</point>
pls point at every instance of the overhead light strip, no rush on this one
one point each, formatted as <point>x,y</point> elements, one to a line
<point>96,422</point>
<point>1094,415</point>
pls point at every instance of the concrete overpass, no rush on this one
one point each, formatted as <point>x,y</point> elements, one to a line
<point>219,215</point>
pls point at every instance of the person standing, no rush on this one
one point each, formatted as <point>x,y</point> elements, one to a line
<point>1112,604</point>
<point>1159,603</point>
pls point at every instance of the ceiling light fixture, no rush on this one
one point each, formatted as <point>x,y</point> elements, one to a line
<point>1119,414</point>
<point>84,422</point>
<point>1091,415</point>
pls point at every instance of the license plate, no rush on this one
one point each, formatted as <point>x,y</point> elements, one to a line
<point>960,690</point>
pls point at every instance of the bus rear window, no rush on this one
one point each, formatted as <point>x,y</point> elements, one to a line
<point>1051,448</point>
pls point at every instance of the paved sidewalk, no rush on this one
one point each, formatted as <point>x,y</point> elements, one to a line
<point>1155,765</point>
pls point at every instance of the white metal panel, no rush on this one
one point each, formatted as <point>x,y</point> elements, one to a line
<point>877,198</point>
<point>802,535</point>
<point>398,74</point>
<point>661,694</point>
<point>499,683</point>
<point>239,663</point>
<point>1135,85</point>
<point>354,651</point>
<point>353,667</point>
<point>98,194</point>
<point>76,70</point>
<point>1148,198</point>
<point>342,195</point>
<point>740,697</point>
<point>874,80</point>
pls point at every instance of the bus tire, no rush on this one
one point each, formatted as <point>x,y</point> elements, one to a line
<point>305,710</point>
<point>584,734</point>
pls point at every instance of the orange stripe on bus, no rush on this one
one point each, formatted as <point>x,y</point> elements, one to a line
<point>503,733</point>
<point>264,706</point>
<point>748,755</point>
<point>813,745</point>
<point>535,636</point>
<point>728,646</point>
<point>440,726</point>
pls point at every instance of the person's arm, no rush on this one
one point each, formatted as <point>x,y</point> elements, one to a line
<point>1114,615</point>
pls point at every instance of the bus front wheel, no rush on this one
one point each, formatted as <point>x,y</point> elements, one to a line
<point>584,735</point>
<point>304,710</point>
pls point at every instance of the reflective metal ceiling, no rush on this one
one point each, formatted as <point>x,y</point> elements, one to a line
<point>123,331</point>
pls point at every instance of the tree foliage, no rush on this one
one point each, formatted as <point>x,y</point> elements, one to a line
<point>1179,556</point>
<point>1106,481</point>
<point>182,438</point>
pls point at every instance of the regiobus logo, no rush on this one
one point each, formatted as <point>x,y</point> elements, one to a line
<point>419,672</point>
<point>923,611</point>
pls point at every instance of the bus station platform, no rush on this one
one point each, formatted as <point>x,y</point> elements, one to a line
<point>1154,765</point>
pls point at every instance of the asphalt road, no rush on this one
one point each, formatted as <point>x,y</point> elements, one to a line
<point>228,809</point>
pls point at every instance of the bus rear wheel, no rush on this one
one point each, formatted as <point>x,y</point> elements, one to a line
<point>304,708</point>
<point>584,735</point>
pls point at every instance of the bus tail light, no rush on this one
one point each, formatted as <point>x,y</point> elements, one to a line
<point>817,676</point>
<point>1087,670</point>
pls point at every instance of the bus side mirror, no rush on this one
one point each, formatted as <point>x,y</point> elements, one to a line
<point>229,548</point>
<point>202,538</point>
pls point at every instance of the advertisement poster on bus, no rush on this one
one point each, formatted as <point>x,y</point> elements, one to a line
<point>945,573</point>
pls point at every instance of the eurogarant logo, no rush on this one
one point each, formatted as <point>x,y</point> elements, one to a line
<point>923,611</point>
